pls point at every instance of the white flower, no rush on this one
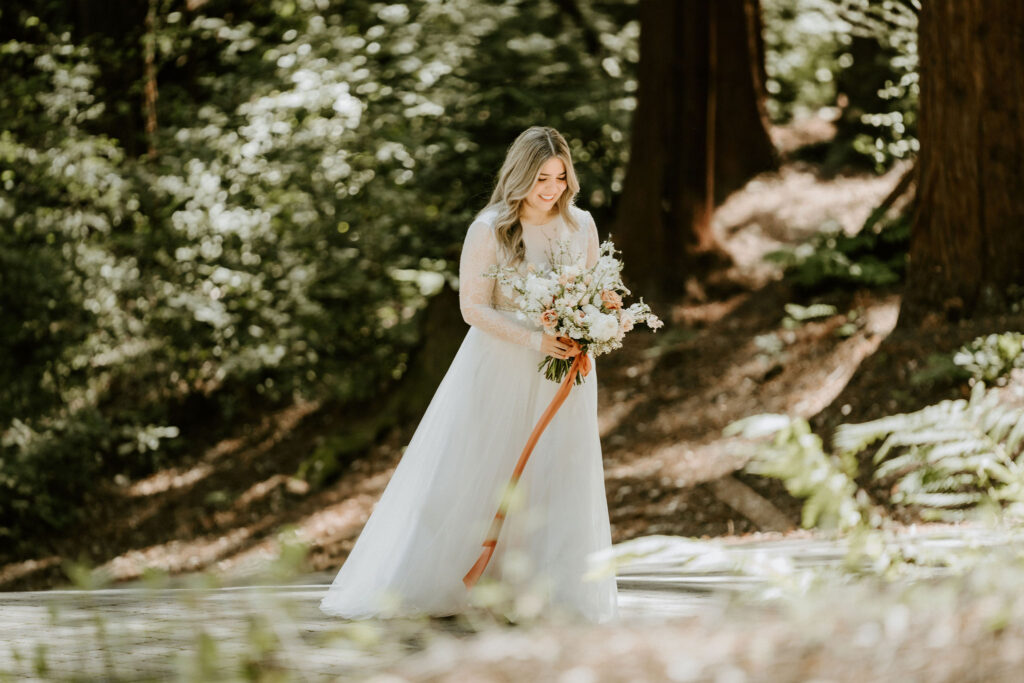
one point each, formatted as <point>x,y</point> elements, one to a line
<point>537,288</point>
<point>604,327</point>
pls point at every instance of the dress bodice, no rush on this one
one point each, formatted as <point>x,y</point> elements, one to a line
<point>541,247</point>
<point>546,245</point>
<point>482,301</point>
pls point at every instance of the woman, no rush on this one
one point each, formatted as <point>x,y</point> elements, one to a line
<point>425,531</point>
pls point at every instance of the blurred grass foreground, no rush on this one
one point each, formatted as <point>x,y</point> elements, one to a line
<point>932,603</point>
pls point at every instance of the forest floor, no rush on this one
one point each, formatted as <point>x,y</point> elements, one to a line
<point>663,402</point>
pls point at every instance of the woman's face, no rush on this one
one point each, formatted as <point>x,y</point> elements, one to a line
<point>550,185</point>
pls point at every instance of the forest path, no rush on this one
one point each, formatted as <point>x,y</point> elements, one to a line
<point>204,632</point>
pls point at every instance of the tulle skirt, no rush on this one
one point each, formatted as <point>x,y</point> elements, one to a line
<point>426,530</point>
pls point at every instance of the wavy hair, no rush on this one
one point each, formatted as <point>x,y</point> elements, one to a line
<point>516,179</point>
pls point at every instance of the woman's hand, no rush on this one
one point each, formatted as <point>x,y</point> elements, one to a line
<point>560,347</point>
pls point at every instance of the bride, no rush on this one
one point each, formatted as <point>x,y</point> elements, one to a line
<point>426,530</point>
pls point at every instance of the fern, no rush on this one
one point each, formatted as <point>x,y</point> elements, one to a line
<point>950,455</point>
<point>947,460</point>
<point>796,457</point>
<point>992,358</point>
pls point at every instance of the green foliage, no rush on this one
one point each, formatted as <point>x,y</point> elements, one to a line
<point>330,456</point>
<point>316,165</point>
<point>796,457</point>
<point>889,119</point>
<point>951,461</point>
<point>992,358</point>
<point>950,457</point>
<point>874,257</point>
<point>801,38</point>
<point>939,368</point>
<point>811,57</point>
<point>796,314</point>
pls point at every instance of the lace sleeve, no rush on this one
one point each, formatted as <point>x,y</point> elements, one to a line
<point>593,241</point>
<point>479,252</point>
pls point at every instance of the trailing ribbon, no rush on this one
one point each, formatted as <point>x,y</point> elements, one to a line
<point>580,364</point>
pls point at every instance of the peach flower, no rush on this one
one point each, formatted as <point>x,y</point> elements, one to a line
<point>549,318</point>
<point>626,322</point>
<point>611,299</point>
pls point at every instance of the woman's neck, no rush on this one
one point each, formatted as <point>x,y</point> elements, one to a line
<point>535,217</point>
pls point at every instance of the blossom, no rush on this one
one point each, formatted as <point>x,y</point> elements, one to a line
<point>604,327</point>
<point>537,288</point>
<point>580,303</point>
<point>611,299</point>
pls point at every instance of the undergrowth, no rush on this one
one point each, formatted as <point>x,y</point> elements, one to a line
<point>952,461</point>
<point>876,256</point>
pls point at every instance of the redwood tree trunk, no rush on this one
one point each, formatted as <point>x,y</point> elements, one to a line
<point>699,132</point>
<point>967,241</point>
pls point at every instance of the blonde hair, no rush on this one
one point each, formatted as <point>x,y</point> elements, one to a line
<point>518,174</point>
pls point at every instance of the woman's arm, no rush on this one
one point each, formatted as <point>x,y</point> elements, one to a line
<point>479,252</point>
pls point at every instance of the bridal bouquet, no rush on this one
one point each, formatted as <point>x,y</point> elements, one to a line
<point>570,301</point>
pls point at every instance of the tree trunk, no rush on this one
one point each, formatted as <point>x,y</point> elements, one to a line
<point>743,147</point>
<point>150,89</point>
<point>113,30</point>
<point>967,241</point>
<point>699,132</point>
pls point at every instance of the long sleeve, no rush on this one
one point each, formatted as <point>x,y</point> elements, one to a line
<point>593,241</point>
<point>479,252</point>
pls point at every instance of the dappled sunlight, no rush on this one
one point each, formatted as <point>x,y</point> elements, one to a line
<point>176,478</point>
<point>17,570</point>
<point>791,205</point>
<point>680,465</point>
<point>176,556</point>
<point>825,380</point>
<point>337,525</point>
<point>256,493</point>
<point>167,480</point>
<point>245,549</point>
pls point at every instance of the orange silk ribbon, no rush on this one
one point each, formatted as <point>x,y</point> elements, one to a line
<point>580,364</point>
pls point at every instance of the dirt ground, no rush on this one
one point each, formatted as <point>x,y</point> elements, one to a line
<point>663,402</point>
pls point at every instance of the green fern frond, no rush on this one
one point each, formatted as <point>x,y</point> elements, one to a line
<point>940,500</point>
<point>941,455</point>
<point>951,461</point>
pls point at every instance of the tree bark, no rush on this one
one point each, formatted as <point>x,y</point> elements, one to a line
<point>967,240</point>
<point>699,133</point>
<point>150,89</point>
<point>742,144</point>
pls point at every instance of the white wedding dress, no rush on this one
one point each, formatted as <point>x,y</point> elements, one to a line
<point>426,530</point>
